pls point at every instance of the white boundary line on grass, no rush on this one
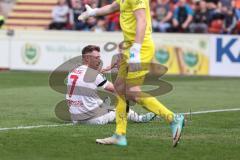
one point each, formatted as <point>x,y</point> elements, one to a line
<point>213,111</point>
<point>70,124</point>
<point>39,126</point>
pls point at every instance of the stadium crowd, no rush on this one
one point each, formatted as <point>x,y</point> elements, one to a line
<point>189,16</point>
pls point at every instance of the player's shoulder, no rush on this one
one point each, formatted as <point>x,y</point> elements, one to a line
<point>102,76</point>
<point>78,69</point>
<point>136,2</point>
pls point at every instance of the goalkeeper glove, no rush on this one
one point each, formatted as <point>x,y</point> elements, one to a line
<point>90,12</point>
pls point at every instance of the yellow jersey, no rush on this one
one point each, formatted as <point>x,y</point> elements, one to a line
<point>128,20</point>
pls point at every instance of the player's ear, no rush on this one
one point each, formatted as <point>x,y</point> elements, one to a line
<point>85,58</point>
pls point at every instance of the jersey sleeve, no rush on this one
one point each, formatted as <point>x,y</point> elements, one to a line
<point>137,4</point>
<point>101,81</point>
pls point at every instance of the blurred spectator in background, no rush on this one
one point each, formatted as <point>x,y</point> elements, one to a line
<point>195,16</point>
<point>91,22</point>
<point>60,16</point>
<point>175,1</point>
<point>237,29</point>
<point>77,9</point>
<point>225,4</point>
<point>163,15</point>
<point>215,17</point>
<point>69,3</point>
<point>199,24</point>
<point>212,3</point>
<point>101,3</point>
<point>100,26</point>
<point>182,17</point>
<point>236,4</point>
<point>230,20</point>
<point>211,10</point>
<point>113,22</point>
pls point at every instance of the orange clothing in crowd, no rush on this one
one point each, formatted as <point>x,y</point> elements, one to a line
<point>237,4</point>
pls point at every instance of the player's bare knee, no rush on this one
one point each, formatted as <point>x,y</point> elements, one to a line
<point>133,93</point>
<point>120,86</point>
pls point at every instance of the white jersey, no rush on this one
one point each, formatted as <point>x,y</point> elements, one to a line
<point>82,84</point>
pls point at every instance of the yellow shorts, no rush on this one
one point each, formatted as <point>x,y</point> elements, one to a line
<point>137,78</point>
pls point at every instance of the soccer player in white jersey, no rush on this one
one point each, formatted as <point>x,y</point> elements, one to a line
<point>84,103</point>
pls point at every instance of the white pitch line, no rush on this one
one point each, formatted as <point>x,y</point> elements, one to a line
<point>213,111</point>
<point>70,124</point>
<point>39,126</point>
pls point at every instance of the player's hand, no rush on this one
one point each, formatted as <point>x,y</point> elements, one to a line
<point>90,12</point>
<point>135,58</point>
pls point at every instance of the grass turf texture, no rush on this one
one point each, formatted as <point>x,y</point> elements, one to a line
<point>26,99</point>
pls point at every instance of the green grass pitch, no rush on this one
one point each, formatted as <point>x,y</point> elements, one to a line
<point>27,100</point>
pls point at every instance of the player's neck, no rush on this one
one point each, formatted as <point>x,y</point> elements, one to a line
<point>84,64</point>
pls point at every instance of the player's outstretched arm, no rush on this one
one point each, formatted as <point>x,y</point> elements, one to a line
<point>105,10</point>
<point>141,25</point>
<point>108,68</point>
<point>140,15</point>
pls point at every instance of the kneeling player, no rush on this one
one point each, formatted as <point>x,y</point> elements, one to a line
<point>84,103</point>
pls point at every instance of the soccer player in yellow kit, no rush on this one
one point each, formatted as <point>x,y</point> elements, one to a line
<point>135,21</point>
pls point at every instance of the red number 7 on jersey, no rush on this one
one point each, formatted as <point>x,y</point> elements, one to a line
<point>75,78</point>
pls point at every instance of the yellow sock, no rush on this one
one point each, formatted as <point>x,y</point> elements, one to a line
<point>121,116</point>
<point>153,105</point>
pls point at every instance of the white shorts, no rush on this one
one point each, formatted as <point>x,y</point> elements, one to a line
<point>104,119</point>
